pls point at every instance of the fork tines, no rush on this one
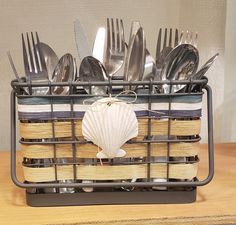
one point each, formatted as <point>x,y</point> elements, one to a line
<point>32,55</point>
<point>189,37</point>
<point>163,50</point>
<point>115,35</point>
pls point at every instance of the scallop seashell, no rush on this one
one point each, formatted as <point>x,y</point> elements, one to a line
<point>109,123</point>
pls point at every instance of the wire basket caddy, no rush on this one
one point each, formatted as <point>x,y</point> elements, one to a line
<point>60,167</point>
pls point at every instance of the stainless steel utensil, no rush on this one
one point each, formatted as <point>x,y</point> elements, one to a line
<point>81,41</point>
<point>115,47</point>
<point>25,89</point>
<point>134,29</point>
<point>135,59</point>
<point>201,72</point>
<point>64,72</point>
<point>189,37</point>
<point>180,64</point>
<point>92,70</point>
<point>99,44</point>
<point>34,64</point>
<point>39,163</point>
<point>64,161</point>
<point>150,68</point>
<point>50,58</point>
<point>163,50</point>
<point>205,68</point>
<point>150,65</point>
<point>13,66</point>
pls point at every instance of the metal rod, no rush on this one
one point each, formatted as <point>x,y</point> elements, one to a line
<point>114,184</point>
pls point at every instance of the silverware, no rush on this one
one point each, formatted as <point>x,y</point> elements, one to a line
<point>64,72</point>
<point>205,67</point>
<point>201,72</point>
<point>87,189</point>
<point>64,161</point>
<point>150,68</point>
<point>13,66</point>
<point>81,41</point>
<point>180,64</point>
<point>34,64</point>
<point>159,160</point>
<point>115,48</point>
<point>123,161</point>
<point>163,50</point>
<point>189,37</point>
<point>25,89</point>
<point>149,65</point>
<point>39,163</point>
<point>92,70</point>
<point>46,163</point>
<point>134,29</point>
<point>135,59</point>
<point>99,44</point>
<point>50,58</point>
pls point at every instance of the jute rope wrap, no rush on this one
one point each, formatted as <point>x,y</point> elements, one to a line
<point>64,129</point>
<point>47,174</point>
<point>43,130</point>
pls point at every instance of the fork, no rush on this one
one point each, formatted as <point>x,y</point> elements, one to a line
<point>34,64</point>
<point>188,38</point>
<point>115,48</point>
<point>163,51</point>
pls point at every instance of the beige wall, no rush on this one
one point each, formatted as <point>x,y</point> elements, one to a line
<point>53,19</point>
<point>228,109</point>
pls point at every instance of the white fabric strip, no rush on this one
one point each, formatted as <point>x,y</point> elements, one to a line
<point>80,107</point>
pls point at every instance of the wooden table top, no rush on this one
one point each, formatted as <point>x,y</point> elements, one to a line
<point>214,199</point>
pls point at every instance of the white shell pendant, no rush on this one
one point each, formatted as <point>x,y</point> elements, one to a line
<point>109,123</point>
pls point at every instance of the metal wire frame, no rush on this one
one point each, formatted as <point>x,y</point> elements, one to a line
<point>16,92</point>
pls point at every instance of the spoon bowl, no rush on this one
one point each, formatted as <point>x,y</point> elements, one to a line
<point>92,70</point>
<point>50,58</point>
<point>64,72</point>
<point>179,64</point>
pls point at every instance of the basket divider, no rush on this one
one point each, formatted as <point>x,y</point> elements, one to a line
<point>168,135</point>
<point>149,132</point>
<point>53,135</point>
<point>73,137</point>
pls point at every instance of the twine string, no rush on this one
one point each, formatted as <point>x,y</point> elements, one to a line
<point>111,100</point>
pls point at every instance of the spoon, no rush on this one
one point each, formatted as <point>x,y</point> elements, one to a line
<point>92,70</point>
<point>64,72</point>
<point>179,64</point>
<point>50,58</point>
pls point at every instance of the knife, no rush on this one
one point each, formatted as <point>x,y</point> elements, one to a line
<point>135,60</point>
<point>81,41</point>
<point>99,44</point>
